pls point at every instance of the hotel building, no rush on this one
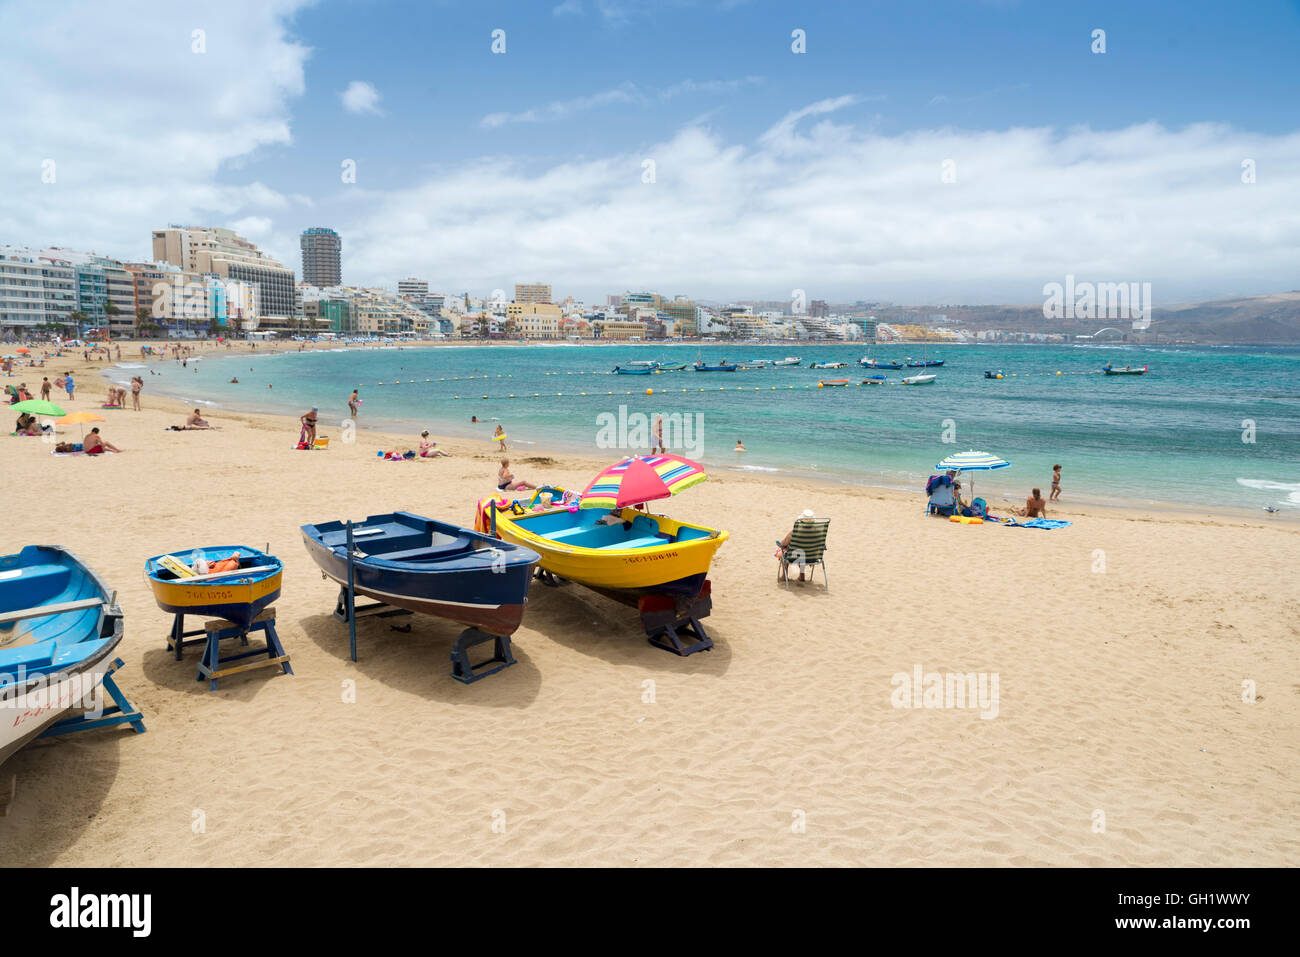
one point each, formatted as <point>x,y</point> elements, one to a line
<point>322,255</point>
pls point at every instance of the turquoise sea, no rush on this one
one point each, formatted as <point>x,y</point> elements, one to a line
<point>1216,427</point>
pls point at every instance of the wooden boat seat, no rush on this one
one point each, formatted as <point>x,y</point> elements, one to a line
<point>42,610</point>
<point>427,551</point>
<point>638,542</point>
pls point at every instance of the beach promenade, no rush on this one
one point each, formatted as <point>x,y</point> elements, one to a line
<point>1120,651</point>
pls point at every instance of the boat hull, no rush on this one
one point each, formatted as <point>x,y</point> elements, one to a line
<point>833,383</point>
<point>52,668</point>
<point>726,368</point>
<point>236,599</point>
<point>645,371</point>
<point>485,588</point>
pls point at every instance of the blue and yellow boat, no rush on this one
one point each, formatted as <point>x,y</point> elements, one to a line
<point>238,593</point>
<point>625,554</point>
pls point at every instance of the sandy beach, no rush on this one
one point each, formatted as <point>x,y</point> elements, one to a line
<point>1120,648</point>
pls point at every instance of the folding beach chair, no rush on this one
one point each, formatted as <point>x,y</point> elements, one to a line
<point>322,442</point>
<point>942,500</point>
<point>807,548</point>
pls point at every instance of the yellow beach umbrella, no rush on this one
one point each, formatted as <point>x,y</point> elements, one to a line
<point>80,418</point>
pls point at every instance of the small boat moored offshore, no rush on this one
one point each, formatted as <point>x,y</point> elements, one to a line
<point>788,361</point>
<point>237,592</point>
<point>634,370</point>
<point>418,564</point>
<point>875,380</point>
<point>1127,370</point>
<point>827,383</point>
<point>993,375</point>
<point>877,364</point>
<point>828,365</point>
<point>59,627</point>
<point>720,367</point>
<point>919,379</point>
<point>924,363</point>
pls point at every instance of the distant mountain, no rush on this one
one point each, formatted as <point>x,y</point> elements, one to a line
<point>1254,319</point>
<point>1272,319</point>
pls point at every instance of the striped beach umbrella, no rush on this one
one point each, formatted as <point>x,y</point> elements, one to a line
<point>972,461</point>
<point>641,478</point>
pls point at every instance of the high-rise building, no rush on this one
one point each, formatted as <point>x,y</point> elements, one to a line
<point>322,263</point>
<point>35,290</point>
<point>224,253</point>
<point>533,292</point>
<point>408,288</point>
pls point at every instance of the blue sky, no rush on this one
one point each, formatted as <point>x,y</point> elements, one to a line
<point>477,169</point>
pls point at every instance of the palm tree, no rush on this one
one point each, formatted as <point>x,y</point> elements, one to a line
<point>141,320</point>
<point>76,318</point>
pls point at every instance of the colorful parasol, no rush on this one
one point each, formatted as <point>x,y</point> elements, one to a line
<point>641,478</point>
<point>37,407</point>
<point>80,418</point>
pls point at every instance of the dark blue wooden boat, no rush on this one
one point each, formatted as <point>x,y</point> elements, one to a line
<point>430,567</point>
<point>59,626</point>
<point>877,364</point>
<point>635,370</point>
<point>924,363</point>
<point>721,367</point>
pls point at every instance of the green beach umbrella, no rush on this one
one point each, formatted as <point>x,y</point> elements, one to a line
<point>37,407</point>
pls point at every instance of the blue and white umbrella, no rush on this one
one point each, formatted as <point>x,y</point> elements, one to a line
<point>971,461</point>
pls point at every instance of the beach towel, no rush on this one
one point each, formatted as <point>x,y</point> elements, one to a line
<point>1044,523</point>
<point>91,454</point>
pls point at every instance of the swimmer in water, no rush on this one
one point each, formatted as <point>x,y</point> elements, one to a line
<point>740,446</point>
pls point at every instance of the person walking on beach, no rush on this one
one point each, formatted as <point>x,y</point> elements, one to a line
<point>1056,484</point>
<point>69,385</point>
<point>45,388</point>
<point>137,383</point>
<point>353,402</point>
<point>499,436</point>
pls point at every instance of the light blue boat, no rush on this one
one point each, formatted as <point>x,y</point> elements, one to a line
<point>59,627</point>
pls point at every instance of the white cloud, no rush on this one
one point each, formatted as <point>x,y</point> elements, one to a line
<point>625,93</point>
<point>361,97</point>
<point>567,8</point>
<point>846,211</point>
<point>139,126</point>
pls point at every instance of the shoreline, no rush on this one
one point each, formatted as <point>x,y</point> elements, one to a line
<point>399,433</point>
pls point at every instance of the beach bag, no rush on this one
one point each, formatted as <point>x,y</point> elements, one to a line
<point>303,445</point>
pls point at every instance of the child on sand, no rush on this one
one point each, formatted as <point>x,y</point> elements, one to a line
<point>500,436</point>
<point>1056,484</point>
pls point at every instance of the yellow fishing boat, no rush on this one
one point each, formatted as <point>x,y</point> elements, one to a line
<point>626,553</point>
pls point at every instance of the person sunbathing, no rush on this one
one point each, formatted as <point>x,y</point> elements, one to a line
<point>1035,506</point>
<point>28,425</point>
<point>428,448</point>
<point>95,444</point>
<point>196,421</point>
<point>506,482</point>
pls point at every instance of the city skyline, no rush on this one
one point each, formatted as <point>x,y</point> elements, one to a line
<point>772,170</point>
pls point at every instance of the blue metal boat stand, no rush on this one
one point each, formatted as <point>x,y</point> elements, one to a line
<point>212,664</point>
<point>666,624</point>
<point>120,712</point>
<point>176,641</point>
<point>467,672</point>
